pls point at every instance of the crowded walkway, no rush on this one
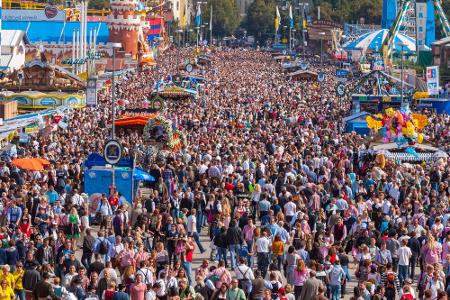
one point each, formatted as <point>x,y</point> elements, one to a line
<point>269,185</point>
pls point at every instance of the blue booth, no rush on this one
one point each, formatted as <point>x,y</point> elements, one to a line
<point>98,176</point>
<point>441,106</point>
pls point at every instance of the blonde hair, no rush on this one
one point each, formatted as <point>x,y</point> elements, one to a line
<point>431,242</point>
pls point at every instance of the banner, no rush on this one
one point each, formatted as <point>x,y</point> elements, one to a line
<point>433,80</point>
<point>50,13</point>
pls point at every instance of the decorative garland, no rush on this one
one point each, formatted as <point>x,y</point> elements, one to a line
<point>175,138</point>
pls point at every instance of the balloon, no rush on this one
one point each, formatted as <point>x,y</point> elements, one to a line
<point>390,112</point>
<point>409,131</point>
<point>373,124</point>
<point>400,118</point>
<point>398,126</point>
<point>420,138</point>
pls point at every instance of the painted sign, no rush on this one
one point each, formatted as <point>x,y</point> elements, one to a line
<point>50,13</point>
<point>341,73</point>
<point>433,80</point>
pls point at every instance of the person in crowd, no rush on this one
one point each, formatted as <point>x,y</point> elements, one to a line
<point>293,202</point>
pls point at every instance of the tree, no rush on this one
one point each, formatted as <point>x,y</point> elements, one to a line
<point>226,17</point>
<point>260,19</point>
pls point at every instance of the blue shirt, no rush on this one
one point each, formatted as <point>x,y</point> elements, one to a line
<point>97,244</point>
<point>284,235</point>
<point>120,296</point>
<point>264,205</point>
<point>273,229</point>
<point>52,196</point>
<point>14,214</point>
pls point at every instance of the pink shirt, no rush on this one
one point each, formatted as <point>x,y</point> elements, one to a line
<point>432,256</point>
<point>141,257</point>
<point>248,232</point>
<point>127,258</point>
<point>300,277</point>
<point>137,291</point>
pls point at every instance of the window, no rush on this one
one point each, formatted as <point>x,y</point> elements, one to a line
<point>420,14</point>
<point>178,5</point>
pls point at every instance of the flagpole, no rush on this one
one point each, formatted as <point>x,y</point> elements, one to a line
<point>290,39</point>
<point>210,26</point>
<point>291,25</point>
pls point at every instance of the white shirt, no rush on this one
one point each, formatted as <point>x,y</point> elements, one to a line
<point>244,272</point>
<point>147,275</point>
<point>191,224</point>
<point>77,200</point>
<point>263,244</point>
<point>404,254</point>
<point>289,209</point>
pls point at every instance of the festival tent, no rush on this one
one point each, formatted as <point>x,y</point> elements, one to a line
<point>374,41</point>
<point>133,121</point>
<point>303,75</point>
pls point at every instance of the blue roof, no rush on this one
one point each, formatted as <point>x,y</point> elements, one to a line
<point>44,31</point>
<point>374,41</point>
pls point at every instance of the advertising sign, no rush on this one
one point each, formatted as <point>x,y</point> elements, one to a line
<point>341,73</point>
<point>91,92</point>
<point>50,13</point>
<point>433,80</point>
<point>421,23</point>
<point>112,152</point>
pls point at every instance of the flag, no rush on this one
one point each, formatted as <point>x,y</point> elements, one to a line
<point>277,20</point>
<point>198,17</point>
<point>304,21</point>
<point>291,18</point>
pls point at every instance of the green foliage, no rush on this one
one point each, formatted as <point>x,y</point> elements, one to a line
<point>260,20</point>
<point>261,14</point>
<point>226,17</point>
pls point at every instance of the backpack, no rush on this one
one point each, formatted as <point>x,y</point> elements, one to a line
<point>390,281</point>
<point>103,248</point>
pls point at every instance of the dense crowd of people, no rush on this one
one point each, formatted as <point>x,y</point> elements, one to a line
<point>291,210</point>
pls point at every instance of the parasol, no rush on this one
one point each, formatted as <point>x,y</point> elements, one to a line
<point>43,161</point>
<point>28,164</point>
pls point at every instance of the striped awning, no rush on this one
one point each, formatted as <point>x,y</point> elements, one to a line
<point>374,41</point>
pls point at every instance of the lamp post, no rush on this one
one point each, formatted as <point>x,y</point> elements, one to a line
<point>293,37</point>
<point>199,27</point>
<point>189,35</point>
<point>205,30</point>
<point>401,72</point>
<point>301,6</point>
<point>114,46</point>
<point>321,33</point>
<point>201,32</point>
<point>198,31</point>
<point>343,37</point>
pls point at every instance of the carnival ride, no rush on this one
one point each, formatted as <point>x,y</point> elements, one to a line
<point>407,22</point>
<point>414,21</point>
